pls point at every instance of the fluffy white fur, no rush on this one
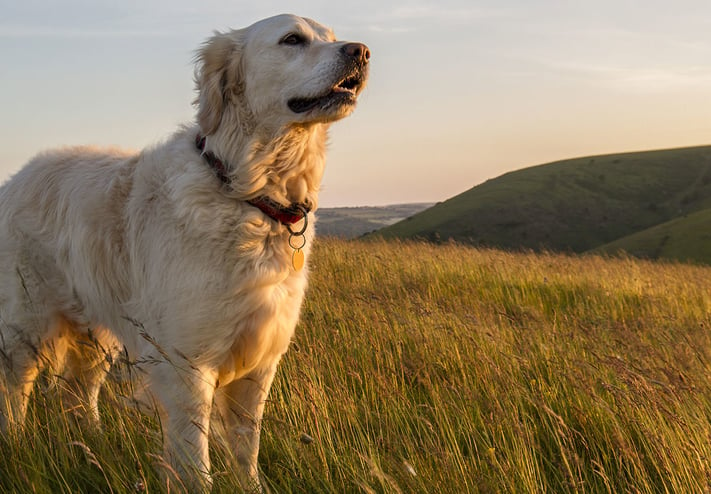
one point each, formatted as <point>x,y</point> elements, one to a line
<point>152,255</point>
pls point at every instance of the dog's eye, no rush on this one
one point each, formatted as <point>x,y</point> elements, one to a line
<point>293,39</point>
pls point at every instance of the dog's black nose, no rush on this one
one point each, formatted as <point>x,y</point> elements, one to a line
<point>356,50</point>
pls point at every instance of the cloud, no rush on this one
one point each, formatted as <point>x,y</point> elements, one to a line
<point>625,58</point>
<point>404,17</point>
<point>380,28</point>
<point>108,19</point>
<point>640,78</point>
<point>76,32</point>
<point>443,13</point>
<point>663,79</point>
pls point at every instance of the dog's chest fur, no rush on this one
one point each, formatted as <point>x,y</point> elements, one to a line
<point>235,304</point>
<point>263,330</point>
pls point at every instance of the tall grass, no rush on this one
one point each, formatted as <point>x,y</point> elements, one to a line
<point>421,368</point>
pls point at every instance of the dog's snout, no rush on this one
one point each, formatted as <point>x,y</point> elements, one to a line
<point>358,51</point>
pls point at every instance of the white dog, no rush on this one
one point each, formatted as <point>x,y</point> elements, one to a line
<point>187,256</point>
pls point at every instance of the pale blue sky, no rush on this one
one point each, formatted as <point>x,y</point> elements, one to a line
<point>460,91</point>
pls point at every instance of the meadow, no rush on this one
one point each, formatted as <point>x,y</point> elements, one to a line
<point>443,368</point>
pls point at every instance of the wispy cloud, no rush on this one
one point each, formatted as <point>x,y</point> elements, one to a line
<point>381,28</point>
<point>78,32</point>
<point>631,58</point>
<point>440,12</point>
<point>662,79</point>
<point>105,19</point>
<point>406,17</point>
<point>640,78</point>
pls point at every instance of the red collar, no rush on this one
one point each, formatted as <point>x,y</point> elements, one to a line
<point>215,163</point>
<point>286,215</point>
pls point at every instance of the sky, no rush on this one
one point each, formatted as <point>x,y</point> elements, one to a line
<point>459,92</point>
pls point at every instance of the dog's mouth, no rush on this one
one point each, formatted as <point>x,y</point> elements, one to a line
<point>343,93</point>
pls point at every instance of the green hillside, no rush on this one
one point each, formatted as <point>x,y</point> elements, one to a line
<point>687,238</point>
<point>572,205</point>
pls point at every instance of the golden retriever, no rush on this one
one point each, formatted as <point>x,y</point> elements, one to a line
<point>187,256</point>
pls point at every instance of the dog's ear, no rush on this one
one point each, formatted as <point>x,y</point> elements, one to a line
<point>218,77</point>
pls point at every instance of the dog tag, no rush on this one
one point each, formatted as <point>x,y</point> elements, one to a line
<point>297,259</point>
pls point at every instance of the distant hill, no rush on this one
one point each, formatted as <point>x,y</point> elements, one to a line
<point>687,238</point>
<point>355,221</point>
<point>572,205</point>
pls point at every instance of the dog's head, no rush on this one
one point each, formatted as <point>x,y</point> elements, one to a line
<point>280,71</point>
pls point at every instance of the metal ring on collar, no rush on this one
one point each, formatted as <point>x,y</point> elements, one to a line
<point>306,221</point>
<point>297,247</point>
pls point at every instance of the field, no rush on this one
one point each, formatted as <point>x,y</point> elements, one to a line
<point>423,368</point>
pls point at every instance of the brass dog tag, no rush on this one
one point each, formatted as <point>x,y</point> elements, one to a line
<point>297,259</point>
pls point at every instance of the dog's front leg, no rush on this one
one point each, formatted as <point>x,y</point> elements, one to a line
<point>184,398</point>
<point>241,406</point>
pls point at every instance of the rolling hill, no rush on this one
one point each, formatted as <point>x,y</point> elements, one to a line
<point>686,239</point>
<point>577,205</point>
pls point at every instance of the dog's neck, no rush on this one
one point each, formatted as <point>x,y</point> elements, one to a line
<point>286,215</point>
<point>287,168</point>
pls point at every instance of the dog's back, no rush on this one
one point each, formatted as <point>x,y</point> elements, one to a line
<point>62,218</point>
